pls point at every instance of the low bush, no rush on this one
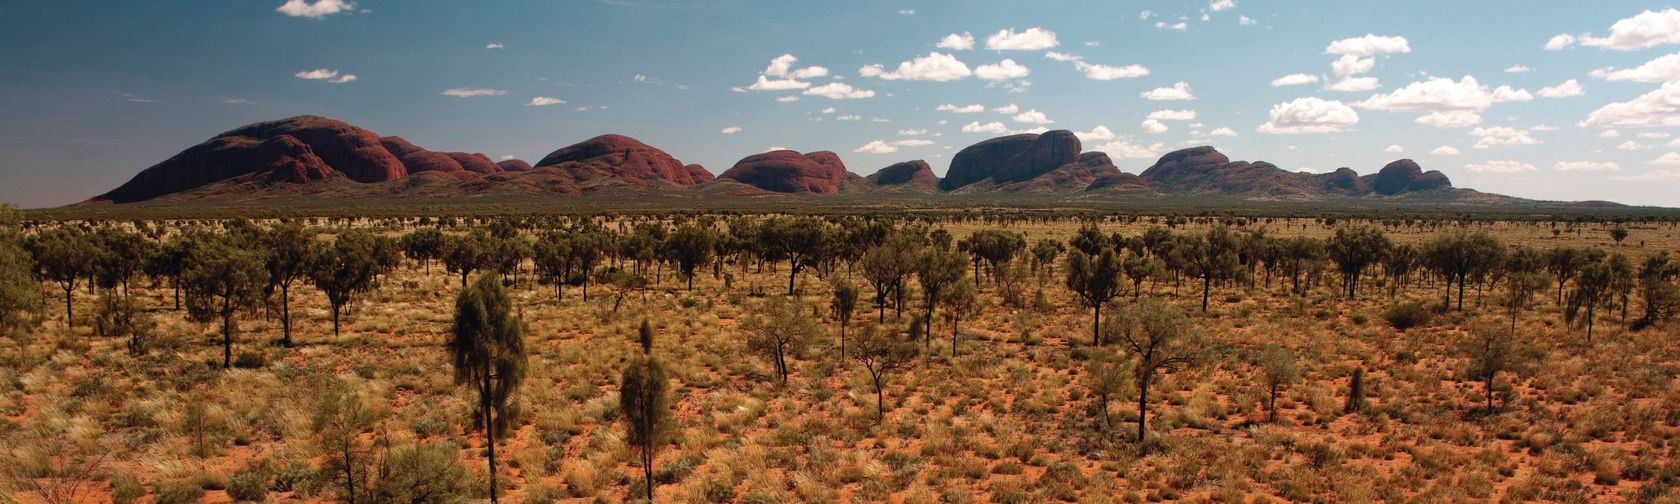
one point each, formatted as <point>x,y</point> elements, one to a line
<point>1406,316</point>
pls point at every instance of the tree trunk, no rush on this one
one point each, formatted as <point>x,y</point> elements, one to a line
<point>67,311</point>
<point>1096,325</point>
<point>489,435</point>
<point>1143,406</point>
<point>880,399</point>
<point>285,317</point>
<point>1271,404</point>
<point>227,334</point>
<point>1207,285</point>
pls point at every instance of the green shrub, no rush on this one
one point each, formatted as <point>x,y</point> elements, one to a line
<point>421,471</point>
<point>177,492</point>
<point>125,489</point>
<point>250,485</point>
<point>1406,316</point>
<point>249,359</point>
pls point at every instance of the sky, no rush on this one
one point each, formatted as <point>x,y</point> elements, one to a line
<point>1559,100</point>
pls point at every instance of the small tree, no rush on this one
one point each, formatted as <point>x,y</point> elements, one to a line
<point>844,303</point>
<point>1355,249</point>
<point>1491,351</point>
<point>1356,391</point>
<point>1210,257</point>
<point>1618,233</point>
<point>881,353</point>
<point>1096,280</point>
<point>1107,374</point>
<point>63,255</point>
<point>690,246</point>
<point>487,349</point>
<point>885,267</point>
<point>1279,368</point>
<point>780,328</point>
<point>938,271</point>
<point>1520,288</point>
<point>343,269</point>
<point>959,302</point>
<point>422,246</point>
<point>19,292</point>
<point>1564,262</point>
<point>1591,287</point>
<point>1160,338</point>
<point>223,279</point>
<point>341,416</point>
<point>466,254</point>
<point>645,401</point>
<point>287,257</point>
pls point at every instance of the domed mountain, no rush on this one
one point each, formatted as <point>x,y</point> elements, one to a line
<point>786,171</point>
<point>907,176</point>
<point>1203,170</point>
<point>618,159</point>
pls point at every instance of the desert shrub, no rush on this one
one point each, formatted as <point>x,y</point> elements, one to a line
<point>250,359</point>
<point>250,485</point>
<point>177,492</point>
<point>125,489</point>
<point>421,472</point>
<point>1406,316</point>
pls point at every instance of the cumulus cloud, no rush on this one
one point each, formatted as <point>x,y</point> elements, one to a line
<point>1153,126</point>
<point>1003,70</point>
<point>957,42</point>
<point>1173,115</point>
<point>936,66</point>
<point>1560,42</point>
<point>787,99</point>
<point>1246,21</point>
<point>471,92</point>
<point>1449,103</point>
<point>961,109</point>
<point>1368,45</point>
<point>544,101</point>
<point>1647,29</point>
<point>317,74</point>
<point>912,132</point>
<point>849,117</point>
<point>912,142</point>
<point>1031,39</point>
<point>1106,72</point>
<point>1609,134</point>
<point>1394,149</point>
<point>1309,115</point>
<point>314,10</point>
<point>1097,134</point>
<point>1219,5</point>
<point>1586,166</point>
<point>1032,117</point>
<point>1178,91</point>
<point>780,75</point>
<point>1630,145</point>
<point>1500,166</point>
<point>493,45</point>
<point>1122,149</point>
<point>1179,26</point>
<point>1349,64</point>
<point>1518,68</point>
<point>876,147</point>
<point>1669,159</point>
<point>1567,89</point>
<point>1007,109</point>
<point>1445,150</point>
<point>1662,69</point>
<point>1355,84</point>
<point>349,77</point>
<point>839,91</point>
<point>993,127</point>
<point>1501,135</point>
<point>1660,107</point>
<point>1294,80</point>
<point>730,130</point>
<point>1225,132</point>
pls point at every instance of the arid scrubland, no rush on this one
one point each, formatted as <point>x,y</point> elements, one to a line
<point>1288,386</point>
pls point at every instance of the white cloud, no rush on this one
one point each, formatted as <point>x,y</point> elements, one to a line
<point>1245,21</point>
<point>780,75</point>
<point>236,101</point>
<point>1122,149</point>
<point>1309,115</point>
<point>1630,145</point>
<point>1394,149</point>
<point>809,72</point>
<point>913,142</point>
<point>317,74</point>
<point>349,77</point>
<point>1106,72</point>
<point>780,65</point>
<point>1007,109</point>
<point>1003,70</point>
<point>1294,80</point>
<point>961,109</point>
<point>493,45</point>
<point>1501,135</point>
<point>1154,126</point>
<point>935,66</point>
<point>1518,68</point>
<point>849,117</point>
<point>315,10</point>
<point>1647,29</point>
<point>1225,132</point>
<point>1145,15</point>
<point>907,12</point>
<point>1567,89</point>
<point>993,127</point>
<point>1500,167</point>
<point>1180,26</point>
<point>1219,5</point>
<point>1654,135</point>
<point>1651,176</point>
<point>1449,102</point>
<point>1173,115</point>
<point>1032,39</point>
<point>1178,91</point>
<point>1660,107</point>
<point>1349,64</point>
<point>839,91</point>
<point>1445,150</point>
<point>471,92</point>
<point>1560,42</point>
<point>1586,166</point>
<point>1058,56</point>
<point>1662,69</point>
<point>1096,134</point>
<point>876,147</point>
<point>766,84</point>
<point>956,42</point>
<point>1450,119</point>
<point>1669,159</point>
<point>1032,117</point>
<point>912,132</point>
<point>1609,134</point>
<point>787,99</point>
<point>1368,45</point>
<point>730,130</point>
<point>544,101</point>
<point>1355,84</point>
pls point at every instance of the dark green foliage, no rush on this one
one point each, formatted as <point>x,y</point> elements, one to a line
<point>63,256</point>
<point>1591,287</point>
<point>844,303</point>
<point>645,402</point>
<point>422,246</point>
<point>1355,249</point>
<point>1356,392</point>
<point>468,253</point>
<point>249,485</point>
<point>689,246</point>
<point>1096,280</point>
<point>421,474</point>
<point>487,350</point>
<point>287,255</point>
<point>341,416</point>
<point>344,268</point>
<point>1160,337</point>
<point>222,278</point>
<point>1407,315</point>
<point>938,270</point>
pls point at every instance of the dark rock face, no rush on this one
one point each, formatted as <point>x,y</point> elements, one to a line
<point>476,163</point>
<point>1406,176</point>
<point>786,171</point>
<point>618,158</point>
<point>353,151</point>
<point>1342,181</point>
<point>699,174</point>
<point>1011,158</point>
<point>906,173</point>
<point>418,160</point>
<point>513,165</point>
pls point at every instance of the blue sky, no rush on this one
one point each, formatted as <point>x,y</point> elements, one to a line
<point>92,92</point>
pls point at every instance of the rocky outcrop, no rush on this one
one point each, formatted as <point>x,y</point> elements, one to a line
<point>513,165</point>
<point>1405,176</point>
<point>916,172</point>
<point>618,159</point>
<point>699,174</point>
<point>786,171</point>
<point>1013,158</point>
<point>1343,181</point>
